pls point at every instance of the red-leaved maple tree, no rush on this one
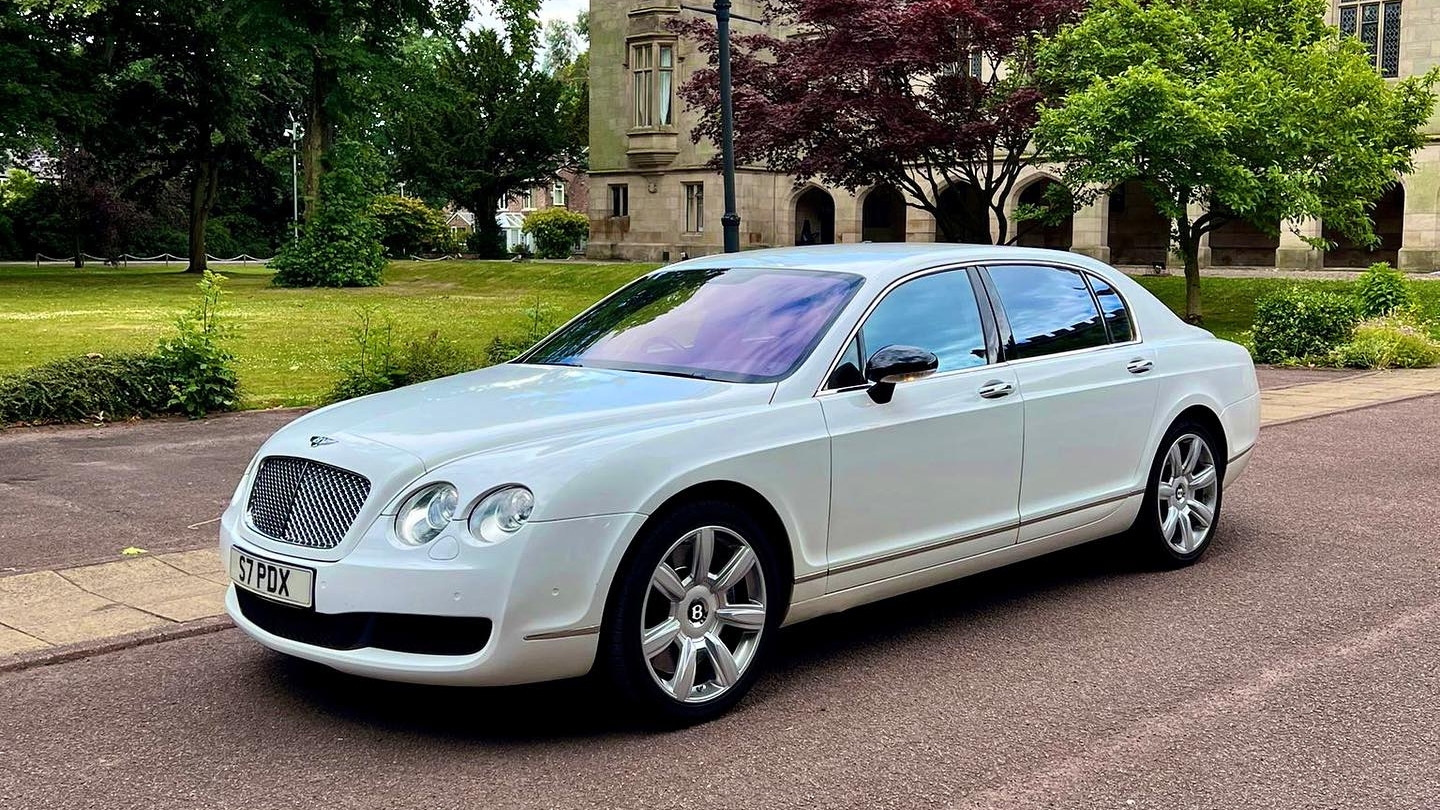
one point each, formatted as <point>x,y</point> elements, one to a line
<point>862,92</point>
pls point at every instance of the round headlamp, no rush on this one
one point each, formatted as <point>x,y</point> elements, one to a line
<point>501,513</point>
<point>426,513</point>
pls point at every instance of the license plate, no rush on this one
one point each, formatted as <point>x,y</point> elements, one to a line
<point>283,583</point>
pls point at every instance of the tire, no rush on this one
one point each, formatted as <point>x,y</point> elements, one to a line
<point>1193,496</point>
<point>742,612</point>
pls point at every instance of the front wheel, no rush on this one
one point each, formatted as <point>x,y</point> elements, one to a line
<point>692,613</point>
<point>1183,495</point>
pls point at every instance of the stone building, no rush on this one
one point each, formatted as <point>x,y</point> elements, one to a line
<point>655,198</point>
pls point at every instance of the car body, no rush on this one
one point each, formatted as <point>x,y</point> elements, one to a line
<point>1031,439</point>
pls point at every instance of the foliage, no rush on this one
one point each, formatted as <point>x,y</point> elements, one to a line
<point>340,245</point>
<point>1391,341</point>
<point>1254,111</point>
<point>557,231</point>
<point>86,388</point>
<point>521,252</point>
<point>408,226</point>
<point>1382,290</point>
<point>379,365</point>
<point>478,119</point>
<point>884,92</point>
<point>540,321</point>
<point>1298,323</point>
<point>199,370</point>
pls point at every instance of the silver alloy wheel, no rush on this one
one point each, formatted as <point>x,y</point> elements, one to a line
<point>703,614</point>
<point>1188,491</point>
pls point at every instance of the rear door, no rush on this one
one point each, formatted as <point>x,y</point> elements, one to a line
<point>1089,394</point>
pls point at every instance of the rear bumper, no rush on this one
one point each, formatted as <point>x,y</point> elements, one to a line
<point>542,593</point>
<point>1242,430</point>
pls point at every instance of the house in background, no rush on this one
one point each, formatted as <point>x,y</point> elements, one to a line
<point>569,190</point>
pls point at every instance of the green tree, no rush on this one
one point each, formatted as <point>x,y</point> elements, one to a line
<point>407,225</point>
<point>1227,109</point>
<point>478,119</point>
<point>340,244</point>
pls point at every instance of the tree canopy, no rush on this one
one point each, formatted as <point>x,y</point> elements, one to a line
<point>1223,110</point>
<point>877,91</point>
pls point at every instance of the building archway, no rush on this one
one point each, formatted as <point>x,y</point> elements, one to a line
<point>814,217</point>
<point>1057,236</point>
<point>1389,218</point>
<point>962,216</point>
<point>1237,243</point>
<point>1138,233</point>
<point>882,215</point>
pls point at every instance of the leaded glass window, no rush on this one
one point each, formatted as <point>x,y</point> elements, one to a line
<point>1377,25</point>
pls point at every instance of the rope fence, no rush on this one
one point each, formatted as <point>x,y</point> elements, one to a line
<point>167,258</point>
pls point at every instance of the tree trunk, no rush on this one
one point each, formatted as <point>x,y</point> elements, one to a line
<point>79,255</point>
<point>202,200</point>
<point>319,135</point>
<point>488,240</point>
<point>1191,251</point>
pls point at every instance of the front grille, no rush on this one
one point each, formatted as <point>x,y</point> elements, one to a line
<point>427,635</point>
<point>296,500</point>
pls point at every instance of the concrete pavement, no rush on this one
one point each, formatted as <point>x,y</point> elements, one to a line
<point>1293,667</point>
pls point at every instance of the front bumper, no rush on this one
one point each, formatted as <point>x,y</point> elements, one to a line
<point>542,590</point>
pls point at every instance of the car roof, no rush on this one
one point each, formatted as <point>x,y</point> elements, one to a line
<point>884,261</point>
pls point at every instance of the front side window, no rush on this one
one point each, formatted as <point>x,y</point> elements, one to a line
<point>620,200</point>
<point>557,194</point>
<point>694,207</point>
<point>527,199</point>
<point>1050,310</point>
<point>1377,24</point>
<point>652,68</point>
<point>1112,307</point>
<point>735,325</point>
<point>936,313</point>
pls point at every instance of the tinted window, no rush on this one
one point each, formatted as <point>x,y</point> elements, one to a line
<point>936,313</point>
<point>740,325</point>
<point>1112,306</point>
<point>1050,309</point>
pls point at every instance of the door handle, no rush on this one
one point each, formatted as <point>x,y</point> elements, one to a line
<point>1139,366</point>
<point>996,389</point>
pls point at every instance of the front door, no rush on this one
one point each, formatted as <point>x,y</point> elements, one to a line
<point>933,475</point>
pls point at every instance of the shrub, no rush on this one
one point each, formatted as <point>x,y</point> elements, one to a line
<point>1395,341</point>
<point>340,245</point>
<point>504,348</point>
<point>90,388</point>
<point>409,226</point>
<point>198,369</point>
<point>521,252</point>
<point>1298,323</point>
<point>488,243</point>
<point>378,365</point>
<point>1382,290</point>
<point>556,230</point>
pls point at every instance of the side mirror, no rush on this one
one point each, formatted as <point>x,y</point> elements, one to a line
<point>897,364</point>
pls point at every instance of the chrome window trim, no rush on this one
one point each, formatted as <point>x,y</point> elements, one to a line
<point>1138,339</point>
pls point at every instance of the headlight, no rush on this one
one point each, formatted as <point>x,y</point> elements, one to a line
<point>426,513</point>
<point>501,513</point>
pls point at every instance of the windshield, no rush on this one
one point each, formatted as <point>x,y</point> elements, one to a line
<point>738,325</point>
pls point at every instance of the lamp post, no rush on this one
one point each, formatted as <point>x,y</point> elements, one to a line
<point>730,222</point>
<point>293,133</point>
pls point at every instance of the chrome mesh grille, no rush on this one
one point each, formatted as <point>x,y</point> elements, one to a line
<point>296,500</point>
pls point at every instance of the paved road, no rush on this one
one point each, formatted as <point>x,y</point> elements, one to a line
<point>1294,667</point>
<point>77,494</point>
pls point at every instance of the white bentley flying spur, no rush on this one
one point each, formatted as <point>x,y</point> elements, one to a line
<point>728,445</point>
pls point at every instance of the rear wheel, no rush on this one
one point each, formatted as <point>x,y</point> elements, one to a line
<point>693,613</point>
<point>1183,495</point>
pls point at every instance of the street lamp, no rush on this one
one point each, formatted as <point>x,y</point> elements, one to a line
<point>730,221</point>
<point>294,133</point>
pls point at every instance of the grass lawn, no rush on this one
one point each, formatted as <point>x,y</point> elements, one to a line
<point>289,342</point>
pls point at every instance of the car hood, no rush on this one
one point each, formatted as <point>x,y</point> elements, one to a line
<point>511,404</point>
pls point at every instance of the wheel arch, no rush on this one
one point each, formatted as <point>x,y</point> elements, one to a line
<point>743,497</point>
<point>1207,416</point>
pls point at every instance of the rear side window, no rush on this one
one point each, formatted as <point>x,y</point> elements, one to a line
<point>1050,309</point>
<point>1112,307</point>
